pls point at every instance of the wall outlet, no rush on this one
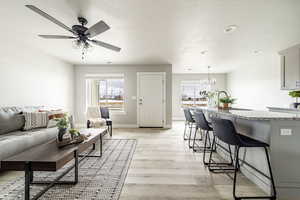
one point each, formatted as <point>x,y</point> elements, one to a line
<point>285,131</point>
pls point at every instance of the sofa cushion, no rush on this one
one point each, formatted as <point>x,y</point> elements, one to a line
<point>10,121</point>
<point>16,142</point>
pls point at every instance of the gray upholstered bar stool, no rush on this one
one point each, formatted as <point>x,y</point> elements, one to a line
<point>225,131</point>
<point>205,128</point>
<point>190,123</point>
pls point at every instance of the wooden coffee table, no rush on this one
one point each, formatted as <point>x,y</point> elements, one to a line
<point>48,157</point>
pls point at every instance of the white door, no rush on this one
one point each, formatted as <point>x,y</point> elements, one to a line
<point>150,99</point>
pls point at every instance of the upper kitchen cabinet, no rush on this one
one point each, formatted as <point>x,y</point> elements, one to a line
<point>290,68</point>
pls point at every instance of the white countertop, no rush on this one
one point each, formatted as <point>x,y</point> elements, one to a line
<point>255,114</point>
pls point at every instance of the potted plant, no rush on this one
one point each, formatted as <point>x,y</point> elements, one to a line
<point>295,94</point>
<point>74,133</point>
<point>62,125</point>
<point>226,101</point>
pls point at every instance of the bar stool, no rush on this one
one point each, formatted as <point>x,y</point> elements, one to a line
<point>226,132</point>
<point>190,123</point>
<point>204,126</point>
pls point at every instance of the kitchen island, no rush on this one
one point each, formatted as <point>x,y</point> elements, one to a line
<point>282,132</point>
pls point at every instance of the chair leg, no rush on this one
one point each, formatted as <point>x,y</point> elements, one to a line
<point>210,155</point>
<point>194,140</point>
<point>219,167</point>
<point>273,192</point>
<point>184,133</point>
<point>110,130</point>
<point>235,173</point>
<point>195,134</point>
<point>191,129</point>
<point>204,149</point>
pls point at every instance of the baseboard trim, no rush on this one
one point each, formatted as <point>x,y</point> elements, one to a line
<point>178,119</point>
<point>125,126</point>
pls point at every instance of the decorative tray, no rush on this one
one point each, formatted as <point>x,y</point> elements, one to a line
<point>70,141</point>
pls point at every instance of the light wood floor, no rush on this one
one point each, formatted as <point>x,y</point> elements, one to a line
<point>164,168</point>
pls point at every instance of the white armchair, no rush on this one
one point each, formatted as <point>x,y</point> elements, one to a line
<point>94,119</point>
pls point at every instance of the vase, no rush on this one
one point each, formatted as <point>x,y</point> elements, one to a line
<point>61,133</point>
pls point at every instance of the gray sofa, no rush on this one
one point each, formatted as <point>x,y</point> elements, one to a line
<point>16,141</point>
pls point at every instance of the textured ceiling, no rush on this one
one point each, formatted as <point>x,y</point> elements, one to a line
<point>160,31</point>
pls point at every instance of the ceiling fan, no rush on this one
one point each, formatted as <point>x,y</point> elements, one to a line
<point>82,35</point>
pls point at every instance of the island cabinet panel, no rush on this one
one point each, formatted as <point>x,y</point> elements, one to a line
<point>285,157</point>
<point>282,132</point>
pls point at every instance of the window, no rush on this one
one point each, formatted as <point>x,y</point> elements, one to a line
<point>106,90</point>
<point>111,93</point>
<point>193,94</point>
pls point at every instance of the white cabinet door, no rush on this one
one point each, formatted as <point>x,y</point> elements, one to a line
<point>290,68</point>
<point>150,101</point>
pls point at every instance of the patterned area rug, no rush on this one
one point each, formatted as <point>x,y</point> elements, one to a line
<point>99,178</point>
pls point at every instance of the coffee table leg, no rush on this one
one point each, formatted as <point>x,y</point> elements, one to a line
<point>101,144</point>
<point>76,166</point>
<point>31,176</point>
<point>27,180</point>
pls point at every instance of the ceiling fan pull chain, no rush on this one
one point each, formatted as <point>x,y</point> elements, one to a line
<point>82,56</point>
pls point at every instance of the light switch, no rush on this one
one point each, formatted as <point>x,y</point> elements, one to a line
<point>285,131</point>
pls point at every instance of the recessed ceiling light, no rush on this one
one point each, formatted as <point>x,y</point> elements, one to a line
<point>203,52</point>
<point>230,28</point>
<point>109,62</point>
<point>189,69</point>
<point>257,52</point>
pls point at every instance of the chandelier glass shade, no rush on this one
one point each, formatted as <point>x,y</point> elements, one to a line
<point>209,82</point>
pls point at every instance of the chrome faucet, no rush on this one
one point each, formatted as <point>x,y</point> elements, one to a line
<point>219,93</point>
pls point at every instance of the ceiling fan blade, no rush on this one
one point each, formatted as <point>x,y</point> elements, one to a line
<point>105,45</point>
<point>96,29</point>
<point>57,37</point>
<point>55,21</point>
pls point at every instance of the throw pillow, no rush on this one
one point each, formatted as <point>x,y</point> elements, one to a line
<point>35,120</point>
<point>52,115</point>
<point>10,122</point>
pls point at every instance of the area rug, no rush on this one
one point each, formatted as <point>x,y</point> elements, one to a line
<point>99,178</point>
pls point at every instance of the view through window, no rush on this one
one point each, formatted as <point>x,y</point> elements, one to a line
<point>190,94</point>
<point>111,93</point>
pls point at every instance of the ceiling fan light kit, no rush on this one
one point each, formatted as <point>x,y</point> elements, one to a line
<point>82,35</point>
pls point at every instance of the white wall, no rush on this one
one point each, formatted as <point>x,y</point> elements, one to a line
<point>178,78</point>
<point>30,78</point>
<point>128,119</point>
<point>256,83</point>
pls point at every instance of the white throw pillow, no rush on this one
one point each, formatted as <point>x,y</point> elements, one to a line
<point>35,120</point>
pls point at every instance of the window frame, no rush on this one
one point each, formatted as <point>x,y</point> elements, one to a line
<point>195,82</point>
<point>98,78</point>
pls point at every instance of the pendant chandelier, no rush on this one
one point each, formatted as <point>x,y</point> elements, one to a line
<point>209,81</point>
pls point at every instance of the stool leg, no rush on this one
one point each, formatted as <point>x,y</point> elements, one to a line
<point>204,150</point>
<point>273,194</point>
<point>210,155</point>
<point>190,135</point>
<point>184,132</point>
<point>194,140</point>
<point>190,146</point>
<point>235,173</point>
